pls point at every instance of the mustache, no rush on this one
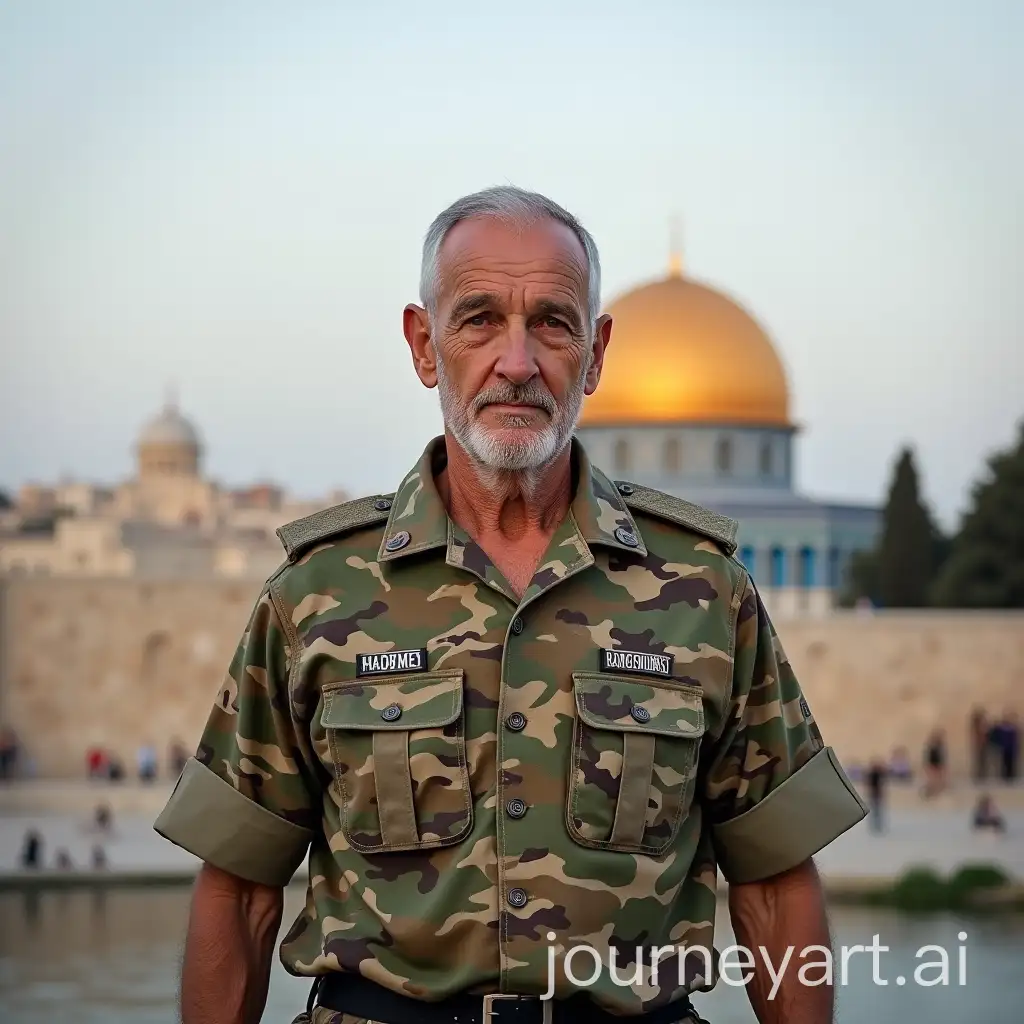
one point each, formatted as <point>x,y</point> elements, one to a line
<point>506,393</point>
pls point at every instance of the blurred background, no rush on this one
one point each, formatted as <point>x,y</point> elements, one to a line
<point>811,225</point>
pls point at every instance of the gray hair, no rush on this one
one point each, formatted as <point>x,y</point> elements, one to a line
<point>512,205</point>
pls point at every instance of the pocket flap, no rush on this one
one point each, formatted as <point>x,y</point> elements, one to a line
<point>426,700</point>
<point>606,701</point>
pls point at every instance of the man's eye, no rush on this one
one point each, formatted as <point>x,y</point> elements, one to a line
<point>554,323</point>
<point>480,320</point>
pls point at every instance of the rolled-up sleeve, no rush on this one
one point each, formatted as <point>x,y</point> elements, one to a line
<point>775,793</point>
<point>244,802</point>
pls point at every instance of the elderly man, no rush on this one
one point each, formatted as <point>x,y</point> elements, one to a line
<point>519,716</point>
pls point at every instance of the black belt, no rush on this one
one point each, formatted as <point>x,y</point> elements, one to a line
<point>353,994</point>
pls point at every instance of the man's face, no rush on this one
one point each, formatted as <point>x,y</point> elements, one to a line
<point>510,339</point>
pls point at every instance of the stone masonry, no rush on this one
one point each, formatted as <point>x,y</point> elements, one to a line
<point>119,663</point>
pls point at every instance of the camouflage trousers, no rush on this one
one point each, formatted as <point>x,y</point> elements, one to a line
<point>325,1016</point>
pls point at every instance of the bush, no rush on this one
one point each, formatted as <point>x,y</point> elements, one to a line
<point>920,889</point>
<point>972,878</point>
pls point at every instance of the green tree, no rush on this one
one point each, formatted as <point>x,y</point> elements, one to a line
<point>910,541</point>
<point>985,567</point>
<point>861,579</point>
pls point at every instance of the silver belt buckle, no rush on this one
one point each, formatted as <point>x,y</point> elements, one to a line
<point>491,1015</point>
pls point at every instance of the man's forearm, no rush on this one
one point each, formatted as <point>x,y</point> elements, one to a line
<point>785,915</point>
<point>229,949</point>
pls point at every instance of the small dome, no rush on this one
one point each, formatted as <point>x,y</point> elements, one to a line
<point>684,353</point>
<point>169,429</point>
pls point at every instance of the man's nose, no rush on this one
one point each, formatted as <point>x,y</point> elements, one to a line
<point>517,362</point>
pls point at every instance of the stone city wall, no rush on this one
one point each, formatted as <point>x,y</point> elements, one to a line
<point>119,662</point>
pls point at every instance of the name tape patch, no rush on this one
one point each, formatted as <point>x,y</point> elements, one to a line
<point>805,708</point>
<point>640,662</point>
<point>390,662</point>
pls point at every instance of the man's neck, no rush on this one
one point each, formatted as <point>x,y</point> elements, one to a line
<point>506,505</point>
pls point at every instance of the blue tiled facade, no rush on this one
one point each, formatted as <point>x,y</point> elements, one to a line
<point>787,540</point>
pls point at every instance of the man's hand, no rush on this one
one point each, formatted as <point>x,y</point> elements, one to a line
<point>232,930</point>
<point>785,914</point>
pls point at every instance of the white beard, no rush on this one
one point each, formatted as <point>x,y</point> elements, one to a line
<point>517,448</point>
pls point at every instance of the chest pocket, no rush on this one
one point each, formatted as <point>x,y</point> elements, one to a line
<point>398,750</point>
<point>634,761</point>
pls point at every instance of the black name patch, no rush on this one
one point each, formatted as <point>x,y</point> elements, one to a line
<point>391,661</point>
<point>640,662</point>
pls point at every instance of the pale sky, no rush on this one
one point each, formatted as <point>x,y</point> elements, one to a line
<point>232,197</point>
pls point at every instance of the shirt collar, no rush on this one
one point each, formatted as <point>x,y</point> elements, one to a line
<point>419,520</point>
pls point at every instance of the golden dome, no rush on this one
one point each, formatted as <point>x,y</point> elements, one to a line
<point>681,352</point>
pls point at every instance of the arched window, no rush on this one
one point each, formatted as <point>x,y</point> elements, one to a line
<point>723,455</point>
<point>778,567</point>
<point>672,455</point>
<point>766,459</point>
<point>621,456</point>
<point>808,567</point>
<point>748,557</point>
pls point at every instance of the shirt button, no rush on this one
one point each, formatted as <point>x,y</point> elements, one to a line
<point>627,537</point>
<point>516,721</point>
<point>398,541</point>
<point>516,808</point>
<point>517,625</point>
<point>382,504</point>
<point>517,898</point>
<point>393,712</point>
<point>640,713</point>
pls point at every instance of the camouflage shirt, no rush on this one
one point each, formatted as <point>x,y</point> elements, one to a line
<point>478,778</point>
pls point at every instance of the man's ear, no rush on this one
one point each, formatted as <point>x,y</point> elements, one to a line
<point>602,338</point>
<point>416,327</point>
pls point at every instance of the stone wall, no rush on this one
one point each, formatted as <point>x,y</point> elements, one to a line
<point>122,662</point>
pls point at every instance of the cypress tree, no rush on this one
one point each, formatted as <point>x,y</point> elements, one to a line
<point>908,546</point>
<point>985,567</point>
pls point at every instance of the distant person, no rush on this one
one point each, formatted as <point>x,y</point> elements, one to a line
<point>876,779</point>
<point>63,860</point>
<point>96,763</point>
<point>1006,741</point>
<point>99,858</point>
<point>103,818</point>
<point>32,850</point>
<point>145,763</point>
<point>8,753</point>
<point>177,757</point>
<point>978,738</point>
<point>900,769</point>
<point>935,779</point>
<point>115,769</point>
<point>986,816</point>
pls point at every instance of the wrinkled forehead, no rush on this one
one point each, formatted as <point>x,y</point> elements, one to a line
<point>539,259</point>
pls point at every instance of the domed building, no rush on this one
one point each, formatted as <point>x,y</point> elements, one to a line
<point>169,489</point>
<point>167,521</point>
<point>694,400</point>
<point>169,445</point>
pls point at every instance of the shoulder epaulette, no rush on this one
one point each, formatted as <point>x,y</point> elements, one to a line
<point>719,528</point>
<point>301,534</point>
